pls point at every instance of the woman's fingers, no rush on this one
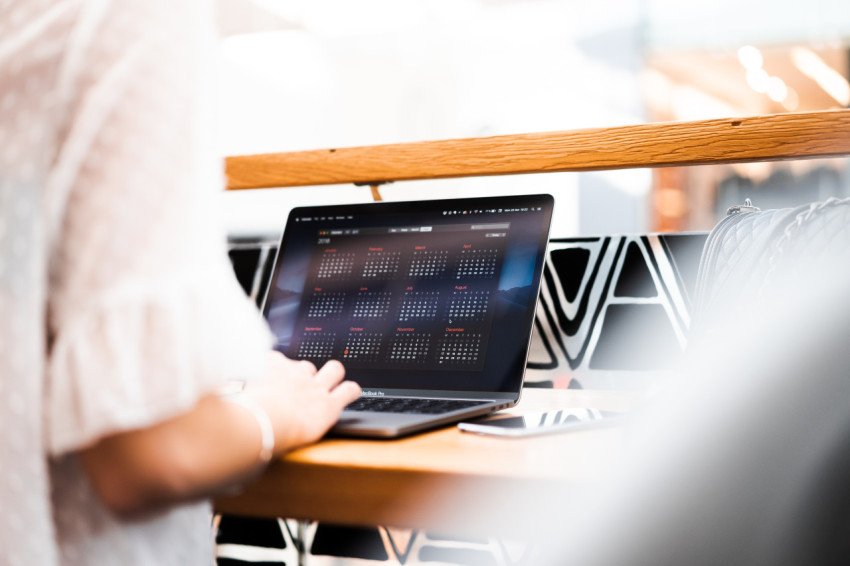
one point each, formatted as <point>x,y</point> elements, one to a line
<point>342,392</point>
<point>308,367</point>
<point>347,392</point>
<point>331,374</point>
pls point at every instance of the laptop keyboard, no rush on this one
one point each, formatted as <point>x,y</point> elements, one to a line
<point>410,406</point>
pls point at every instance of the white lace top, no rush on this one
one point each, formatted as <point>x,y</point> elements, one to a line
<point>118,307</point>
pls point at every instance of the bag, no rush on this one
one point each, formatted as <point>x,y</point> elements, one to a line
<point>748,248</point>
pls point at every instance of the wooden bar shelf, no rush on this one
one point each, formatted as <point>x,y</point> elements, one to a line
<point>706,142</point>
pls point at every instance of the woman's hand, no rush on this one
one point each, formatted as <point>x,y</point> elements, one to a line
<point>301,402</point>
<point>216,444</point>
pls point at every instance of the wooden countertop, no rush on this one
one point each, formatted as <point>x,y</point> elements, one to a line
<point>434,479</point>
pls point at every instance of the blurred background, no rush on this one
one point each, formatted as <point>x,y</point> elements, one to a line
<point>299,74</point>
<point>311,74</point>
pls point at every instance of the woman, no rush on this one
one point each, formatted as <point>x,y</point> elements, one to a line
<point>119,314</point>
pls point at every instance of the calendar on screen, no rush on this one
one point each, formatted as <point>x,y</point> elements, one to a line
<point>459,348</point>
<point>477,263</point>
<point>316,345</point>
<point>419,306</point>
<point>371,304</point>
<point>401,298</point>
<point>409,346</point>
<point>335,265</point>
<point>326,304</point>
<point>425,295</point>
<point>468,305</point>
<point>428,263</point>
<point>381,264</point>
<point>362,347</point>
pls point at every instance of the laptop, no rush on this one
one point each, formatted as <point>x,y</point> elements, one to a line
<point>429,305</point>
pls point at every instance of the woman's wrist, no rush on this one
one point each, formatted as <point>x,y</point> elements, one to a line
<point>264,423</point>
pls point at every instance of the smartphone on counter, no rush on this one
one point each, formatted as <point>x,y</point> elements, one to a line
<point>549,422</point>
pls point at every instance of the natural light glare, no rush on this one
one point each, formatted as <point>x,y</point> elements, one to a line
<point>777,90</point>
<point>810,64</point>
<point>792,100</point>
<point>758,79</point>
<point>750,57</point>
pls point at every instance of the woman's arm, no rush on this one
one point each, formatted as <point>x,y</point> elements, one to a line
<point>217,444</point>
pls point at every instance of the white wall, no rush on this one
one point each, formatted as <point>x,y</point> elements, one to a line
<point>673,24</point>
<point>444,70</point>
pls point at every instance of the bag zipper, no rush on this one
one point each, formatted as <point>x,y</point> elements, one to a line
<point>746,207</point>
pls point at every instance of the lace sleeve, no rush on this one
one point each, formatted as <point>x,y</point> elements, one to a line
<point>145,314</point>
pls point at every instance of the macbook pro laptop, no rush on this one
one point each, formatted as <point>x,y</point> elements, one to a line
<point>429,305</point>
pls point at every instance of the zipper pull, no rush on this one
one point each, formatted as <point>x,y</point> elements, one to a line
<point>746,207</point>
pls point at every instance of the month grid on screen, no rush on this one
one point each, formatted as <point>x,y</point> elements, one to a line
<point>384,298</point>
<point>468,306</point>
<point>459,349</point>
<point>477,263</point>
<point>325,304</point>
<point>381,264</point>
<point>409,347</point>
<point>335,266</point>
<point>419,305</point>
<point>428,263</point>
<point>317,346</point>
<point>362,347</point>
<point>371,304</point>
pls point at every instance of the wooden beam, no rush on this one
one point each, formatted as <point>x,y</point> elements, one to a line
<point>706,142</point>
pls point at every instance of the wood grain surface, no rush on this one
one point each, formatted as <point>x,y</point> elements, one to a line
<point>760,138</point>
<point>440,479</point>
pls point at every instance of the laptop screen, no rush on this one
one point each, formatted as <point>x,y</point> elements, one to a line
<point>428,295</point>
